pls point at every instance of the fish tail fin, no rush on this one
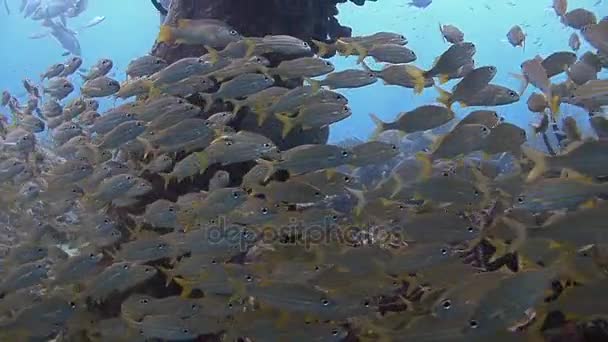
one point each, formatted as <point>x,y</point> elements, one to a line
<point>418,79</point>
<point>441,31</point>
<point>154,91</point>
<point>167,177</point>
<point>523,80</point>
<point>346,49</point>
<point>250,47</point>
<point>322,48</point>
<point>540,162</point>
<point>361,51</point>
<point>427,165</point>
<point>361,200</point>
<point>270,165</point>
<point>166,34</point>
<point>208,98</point>
<point>203,161</point>
<point>444,78</point>
<point>288,124</point>
<point>380,125</point>
<point>445,97</point>
<point>261,117</point>
<point>186,286</point>
<point>237,105</point>
<point>168,274</point>
<point>521,233</point>
<point>554,103</point>
<point>213,54</point>
<point>315,84</point>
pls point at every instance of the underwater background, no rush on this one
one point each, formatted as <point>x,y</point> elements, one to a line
<point>131,27</point>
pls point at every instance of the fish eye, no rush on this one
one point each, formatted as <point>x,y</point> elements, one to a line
<point>91,255</point>
<point>445,174</point>
<point>370,75</point>
<point>72,305</point>
<point>473,324</point>
<point>185,331</point>
<point>444,251</point>
<point>344,154</point>
<point>324,302</point>
<point>520,199</point>
<point>143,301</point>
<point>264,211</point>
<point>366,303</point>
<point>157,61</point>
<point>228,142</point>
<point>484,129</point>
<point>235,194</point>
<point>346,179</point>
<point>233,33</point>
<point>476,192</point>
<point>512,93</point>
<point>125,267</point>
<point>447,304</point>
<point>334,332</point>
<point>470,229</point>
<point>345,108</point>
<point>67,85</point>
<point>148,269</point>
<point>266,145</point>
<point>305,44</point>
<point>249,278</point>
<point>171,209</point>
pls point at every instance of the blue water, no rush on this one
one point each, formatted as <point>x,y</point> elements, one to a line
<point>131,27</point>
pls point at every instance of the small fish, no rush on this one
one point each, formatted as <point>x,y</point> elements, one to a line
<point>462,140</point>
<point>53,71</point>
<point>456,56</point>
<point>516,36</point>
<point>210,32</point>
<point>280,44</point>
<point>93,22</point>
<point>386,53</point>
<point>235,148</point>
<point>579,18</point>
<point>117,278</point>
<point>558,62</point>
<point>240,86</point>
<point>469,86</point>
<point>350,78</point>
<point>557,193</point>
<point>136,87</point>
<point>581,157</point>
<point>101,68</point>
<point>145,66</point>
<point>505,137</point>
<point>138,306</point>
<point>144,249</point>
<point>181,69</point>
<point>100,87</point>
<point>58,87</point>
<point>397,74</point>
<point>302,67</point>
<point>493,95</point>
<point>451,34</point>
<point>307,158</point>
<point>71,66</point>
<point>315,116</point>
<point>585,69</point>
<point>574,42</point>
<point>75,269</point>
<point>372,152</point>
<point>420,3</point>
<point>23,276</point>
<point>420,119</point>
<point>121,134</point>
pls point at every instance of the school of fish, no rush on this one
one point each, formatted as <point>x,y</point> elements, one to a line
<point>189,211</point>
